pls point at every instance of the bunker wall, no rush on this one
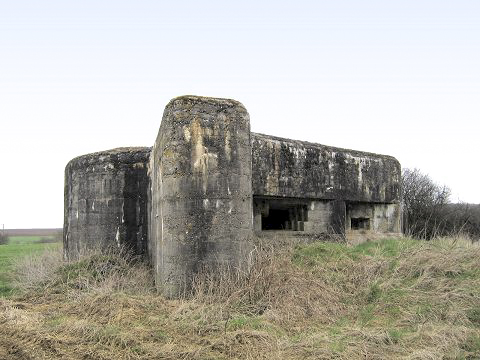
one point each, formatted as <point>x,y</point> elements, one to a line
<point>106,201</point>
<point>298,169</point>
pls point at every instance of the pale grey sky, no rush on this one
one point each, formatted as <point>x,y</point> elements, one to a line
<point>394,77</point>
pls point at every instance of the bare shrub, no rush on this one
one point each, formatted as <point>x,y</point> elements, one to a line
<point>428,212</point>
<point>3,237</point>
<point>463,218</point>
<point>423,204</point>
<point>33,270</point>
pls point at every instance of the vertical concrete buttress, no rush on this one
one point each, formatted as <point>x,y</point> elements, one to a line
<point>201,190</point>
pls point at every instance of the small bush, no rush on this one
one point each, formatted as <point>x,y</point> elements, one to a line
<point>374,293</point>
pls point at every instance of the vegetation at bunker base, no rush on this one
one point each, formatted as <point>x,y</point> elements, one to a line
<point>396,298</point>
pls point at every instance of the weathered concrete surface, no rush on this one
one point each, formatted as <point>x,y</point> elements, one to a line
<point>201,194</point>
<point>298,169</point>
<point>106,201</point>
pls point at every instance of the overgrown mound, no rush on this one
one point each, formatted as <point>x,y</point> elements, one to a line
<point>397,298</point>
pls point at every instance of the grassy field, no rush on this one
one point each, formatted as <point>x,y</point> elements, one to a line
<point>18,247</point>
<point>392,299</point>
<point>31,239</point>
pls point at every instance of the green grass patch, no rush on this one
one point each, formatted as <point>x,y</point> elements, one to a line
<point>338,326</point>
<point>472,345</point>
<point>242,322</point>
<point>473,315</point>
<point>57,320</point>
<point>387,247</point>
<point>316,253</point>
<point>374,293</point>
<point>366,315</point>
<point>338,346</point>
<point>395,335</point>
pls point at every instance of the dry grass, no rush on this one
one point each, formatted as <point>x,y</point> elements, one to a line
<point>35,269</point>
<point>105,271</point>
<point>395,299</point>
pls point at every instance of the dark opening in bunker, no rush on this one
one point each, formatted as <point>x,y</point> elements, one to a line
<point>276,220</point>
<point>280,214</point>
<point>360,224</point>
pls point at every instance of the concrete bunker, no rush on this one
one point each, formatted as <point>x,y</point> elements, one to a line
<point>208,186</point>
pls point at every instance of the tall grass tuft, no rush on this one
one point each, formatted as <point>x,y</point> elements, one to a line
<point>105,271</point>
<point>36,270</point>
